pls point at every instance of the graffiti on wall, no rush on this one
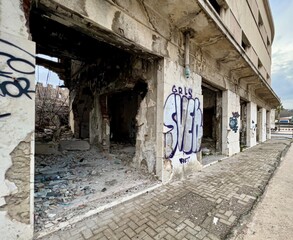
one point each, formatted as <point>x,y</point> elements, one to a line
<point>17,63</point>
<point>233,123</point>
<point>5,115</point>
<point>183,121</point>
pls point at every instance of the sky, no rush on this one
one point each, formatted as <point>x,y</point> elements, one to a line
<point>282,51</point>
<point>46,76</point>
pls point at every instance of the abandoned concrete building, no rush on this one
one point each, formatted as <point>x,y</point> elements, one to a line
<point>162,82</point>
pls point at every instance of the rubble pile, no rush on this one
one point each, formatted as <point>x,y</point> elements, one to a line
<point>74,182</point>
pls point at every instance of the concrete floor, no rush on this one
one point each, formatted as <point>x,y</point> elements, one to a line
<point>73,183</point>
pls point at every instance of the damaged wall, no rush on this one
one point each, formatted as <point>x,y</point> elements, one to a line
<point>183,121</point>
<point>137,27</point>
<point>17,113</point>
<point>123,109</point>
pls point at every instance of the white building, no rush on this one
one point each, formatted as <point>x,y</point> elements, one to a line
<point>170,76</point>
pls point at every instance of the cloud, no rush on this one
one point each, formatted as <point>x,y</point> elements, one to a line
<point>282,52</point>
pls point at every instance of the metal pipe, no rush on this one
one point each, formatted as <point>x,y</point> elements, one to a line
<point>186,56</point>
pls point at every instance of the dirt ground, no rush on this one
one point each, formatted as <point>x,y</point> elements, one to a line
<point>74,182</point>
<point>273,216</point>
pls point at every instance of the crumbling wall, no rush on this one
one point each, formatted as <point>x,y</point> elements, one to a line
<point>122,87</point>
<point>145,154</point>
<point>18,203</point>
<point>17,113</point>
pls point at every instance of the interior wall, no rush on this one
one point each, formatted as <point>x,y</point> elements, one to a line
<point>123,108</point>
<point>212,119</point>
<point>209,113</point>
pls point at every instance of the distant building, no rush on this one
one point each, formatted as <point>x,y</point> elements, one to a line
<point>170,77</point>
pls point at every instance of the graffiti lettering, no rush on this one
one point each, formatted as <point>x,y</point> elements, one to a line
<point>183,120</point>
<point>5,115</point>
<point>184,160</point>
<point>182,91</point>
<point>16,86</point>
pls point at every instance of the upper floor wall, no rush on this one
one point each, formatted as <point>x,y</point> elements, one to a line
<point>251,24</point>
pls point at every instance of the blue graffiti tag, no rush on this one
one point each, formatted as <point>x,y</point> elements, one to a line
<point>233,123</point>
<point>183,119</point>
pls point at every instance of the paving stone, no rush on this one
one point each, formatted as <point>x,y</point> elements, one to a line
<point>87,233</point>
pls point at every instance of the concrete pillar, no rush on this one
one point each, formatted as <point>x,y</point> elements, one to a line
<point>268,124</point>
<point>251,124</point>
<point>71,114</point>
<point>17,116</point>
<point>231,123</point>
<point>105,123</point>
<point>262,127</point>
<point>182,119</point>
<point>96,123</point>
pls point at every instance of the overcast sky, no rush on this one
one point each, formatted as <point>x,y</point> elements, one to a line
<point>282,68</point>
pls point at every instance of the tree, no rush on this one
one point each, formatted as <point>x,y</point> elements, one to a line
<point>278,110</point>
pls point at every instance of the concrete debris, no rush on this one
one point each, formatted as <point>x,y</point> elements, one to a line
<point>74,182</point>
<point>46,148</point>
<point>79,145</point>
<point>206,151</point>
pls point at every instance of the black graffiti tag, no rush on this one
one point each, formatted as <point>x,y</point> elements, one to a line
<point>12,86</point>
<point>5,115</point>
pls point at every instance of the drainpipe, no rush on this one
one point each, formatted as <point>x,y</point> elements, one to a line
<point>186,55</point>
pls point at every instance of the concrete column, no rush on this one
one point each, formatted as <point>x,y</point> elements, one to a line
<point>105,123</point>
<point>71,114</point>
<point>251,124</point>
<point>96,123</point>
<point>262,127</point>
<point>268,124</point>
<point>231,123</point>
<point>182,119</point>
<point>17,123</point>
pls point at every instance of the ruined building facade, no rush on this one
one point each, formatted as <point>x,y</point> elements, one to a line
<point>170,77</point>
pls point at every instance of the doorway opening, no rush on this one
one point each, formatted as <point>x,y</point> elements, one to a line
<point>212,124</point>
<point>108,109</point>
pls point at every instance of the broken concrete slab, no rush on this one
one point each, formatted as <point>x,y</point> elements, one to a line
<point>46,148</point>
<point>74,145</point>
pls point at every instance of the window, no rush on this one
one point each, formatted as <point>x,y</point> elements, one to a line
<point>215,5</point>
<point>268,42</point>
<point>245,43</point>
<point>259,64</point>
<point>260,21</point>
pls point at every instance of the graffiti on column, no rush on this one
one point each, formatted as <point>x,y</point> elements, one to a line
<point>233,123</point>
<point>183,121</point>
<point>16,64</point>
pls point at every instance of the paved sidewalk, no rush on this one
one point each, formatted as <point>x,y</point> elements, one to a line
<point>205,206</point>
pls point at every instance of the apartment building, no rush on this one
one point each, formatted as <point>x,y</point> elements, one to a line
<point>170,77</point>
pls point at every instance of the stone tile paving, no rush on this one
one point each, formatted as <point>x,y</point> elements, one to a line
<point>206,206</point>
